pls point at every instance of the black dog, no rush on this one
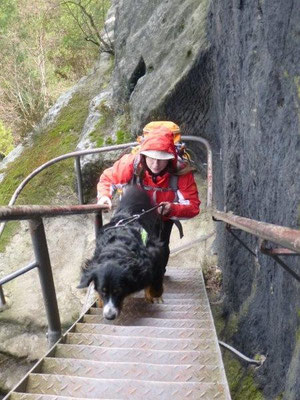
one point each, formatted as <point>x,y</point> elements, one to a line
<point>128,255</point>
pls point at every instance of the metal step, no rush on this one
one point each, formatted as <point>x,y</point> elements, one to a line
<point>139,304</point>
<point>139,342</point>
<point>170,295</point>
<point>159,322</point>
<point>135,371</point>
<point>32,396</point>
<point>147,331</point>
<point>114,354</point>
<point>122,388</point>
<point>139,312</point>
<point>152,351</point>
<point>167,300</point>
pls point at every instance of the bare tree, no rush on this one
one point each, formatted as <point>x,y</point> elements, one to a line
<point>86,23</point>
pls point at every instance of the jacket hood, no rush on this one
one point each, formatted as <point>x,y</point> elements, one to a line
<point>160,139</point>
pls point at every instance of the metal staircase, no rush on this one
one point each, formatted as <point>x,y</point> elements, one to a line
<point>163,351</point>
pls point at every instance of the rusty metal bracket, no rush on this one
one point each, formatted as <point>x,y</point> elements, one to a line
<point>274,253</point>
<point>229,229</point>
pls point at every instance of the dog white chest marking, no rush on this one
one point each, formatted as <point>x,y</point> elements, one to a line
<point>110,311</point>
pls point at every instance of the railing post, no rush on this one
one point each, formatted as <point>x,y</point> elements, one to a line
<point>2,299</point>
<point>79,179</point>
<point>39,242</point>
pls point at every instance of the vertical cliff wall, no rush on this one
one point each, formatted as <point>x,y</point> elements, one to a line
<point>256,109</point>
<point>230,71</point>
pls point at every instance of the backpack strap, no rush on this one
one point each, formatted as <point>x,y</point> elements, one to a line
<point>179,227</point>
<point>173,187</point>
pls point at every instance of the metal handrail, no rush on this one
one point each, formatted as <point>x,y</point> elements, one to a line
<point>78,154</point>
<point>35,213</point>
<point>289,238</point>
<point>13,213</point>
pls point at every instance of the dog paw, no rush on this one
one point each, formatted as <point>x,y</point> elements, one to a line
<point>149,299</point>
<point>158,300</point>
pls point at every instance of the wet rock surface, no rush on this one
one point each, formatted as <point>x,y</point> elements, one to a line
<point>239,88</point>
<point>256,112</point>
<point>229,73</point>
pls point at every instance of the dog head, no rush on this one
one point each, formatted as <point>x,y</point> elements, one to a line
<point>111,283</point>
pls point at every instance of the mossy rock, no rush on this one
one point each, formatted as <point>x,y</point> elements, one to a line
<point>241,379</point>
<point>60,138</point>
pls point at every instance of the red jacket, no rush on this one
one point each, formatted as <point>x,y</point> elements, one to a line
<point>122,172</point>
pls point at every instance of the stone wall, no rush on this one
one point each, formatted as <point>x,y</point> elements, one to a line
<point>256,108</point>
<point>230,72</point>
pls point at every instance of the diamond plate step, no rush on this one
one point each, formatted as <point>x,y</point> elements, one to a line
<point>135,371</point>
<point>167,300</point>
<point>129,389</point>
<point>152,351</point>
<point>169,323</point>
<point>169,295</point>
<point>137,304</point>
<point>135,355</point>
<point>147,331</point>
<point>32,396</point>
<point>183,272</point>
<point>158,322</point>
<point>140,342</point>
<point>138,313</point>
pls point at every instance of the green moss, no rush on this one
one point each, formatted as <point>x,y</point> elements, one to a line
<point>109,141</point>
<point>297,83</point>
<point>96,138</point>
<point>10,229</point>
<point>59,139</point>
<point>102,133</point>
<point>232,325</point>
<point>108,73</point>
<point>6,139</point>
<point>122,136</point>
<point>103,126</point>
<point>241,380</point>
<point>286,74</point>
<point>298,335</point>
<point>219,320</point>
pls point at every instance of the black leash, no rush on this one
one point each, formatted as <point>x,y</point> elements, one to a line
<point>126,221</point>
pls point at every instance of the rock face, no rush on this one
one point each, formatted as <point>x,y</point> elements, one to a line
<point>157,47</point>
<point>230,72</point>
<point>256,111</point>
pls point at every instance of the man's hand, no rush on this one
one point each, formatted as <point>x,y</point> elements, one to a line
<point>104,200</point>
<point>165,208</point>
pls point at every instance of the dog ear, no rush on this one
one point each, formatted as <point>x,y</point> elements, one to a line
<point>86,278</point>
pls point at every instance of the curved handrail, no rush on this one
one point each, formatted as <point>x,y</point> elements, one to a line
<point>54,161</point>
<point>64,157</point>
<point>108,149</point>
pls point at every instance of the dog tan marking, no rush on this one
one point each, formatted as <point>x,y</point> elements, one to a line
<point>100,302</point>
<point>153,296</point>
